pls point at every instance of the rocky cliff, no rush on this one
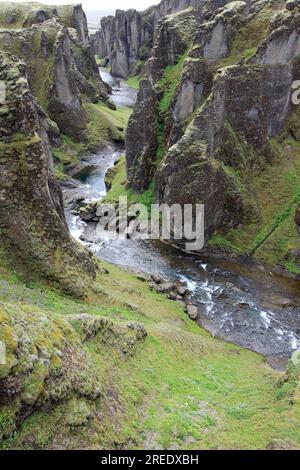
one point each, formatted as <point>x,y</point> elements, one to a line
<point>61,69</point>
<point>220,124</point>
<point>25,15</point>
<point>126,39</point>
<point>33,230</point>
<point>49,73</point>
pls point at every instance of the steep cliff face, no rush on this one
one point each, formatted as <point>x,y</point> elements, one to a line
<point>126,39</point>
<point>33,229</point>
<point>170,43</point>
<point>60,69</point>
<point>24,15</point>
<point>221,133</point>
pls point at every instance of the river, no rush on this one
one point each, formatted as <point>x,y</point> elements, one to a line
<point>238,302</point>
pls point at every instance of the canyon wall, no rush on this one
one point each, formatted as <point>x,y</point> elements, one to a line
<point>126,39</point>
<point>49,72</point>
<point>216,121</point>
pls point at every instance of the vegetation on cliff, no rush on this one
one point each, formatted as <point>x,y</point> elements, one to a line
<point>204,136</point>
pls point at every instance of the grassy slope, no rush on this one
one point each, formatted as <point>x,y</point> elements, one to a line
<point>104,124</point>
<point>181,388</point>
<point>119,188</point>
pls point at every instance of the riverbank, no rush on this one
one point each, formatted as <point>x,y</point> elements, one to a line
<point>176,388</point>
<point>238,302</point>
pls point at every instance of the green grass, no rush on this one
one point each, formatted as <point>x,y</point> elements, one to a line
<point>133,82</point>
<point>105,124</point>
<point>170,81</point>
<point>67,155</point>
<point>119,188</point>
<point>179,388</point>
<point>101,63</point>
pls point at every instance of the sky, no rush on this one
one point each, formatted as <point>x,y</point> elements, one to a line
<point>104,4</point>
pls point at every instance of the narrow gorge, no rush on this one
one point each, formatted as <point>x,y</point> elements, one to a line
<point>113,341</point>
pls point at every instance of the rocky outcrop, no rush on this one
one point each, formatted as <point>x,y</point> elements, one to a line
<point>170,43</point>
<point>141,152</point>
<point>48,363</point>
<point>216,126</point>
<point>283,44</point>
<point>60,68</point>
<point>126,39</point>
<point>236,108</point>
<point>214,37</point>
<point>25,15</point>
<point>32,225</point>
<point>64,103</point>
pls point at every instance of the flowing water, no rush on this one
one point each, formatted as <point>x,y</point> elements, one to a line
<point>241,303</point>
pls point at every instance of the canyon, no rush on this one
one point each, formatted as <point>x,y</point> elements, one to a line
<point>127,344</point>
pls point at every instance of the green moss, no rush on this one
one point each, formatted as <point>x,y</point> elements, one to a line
<point>170,81</point>
<point>119,188</point>
<point>249,37</point>
<point>275,192</point>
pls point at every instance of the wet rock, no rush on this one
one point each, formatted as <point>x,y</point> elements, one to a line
<point>243,305</point>
<point>165,287</point>
<point>87,213</point>
<point>182,290</point>
<point>157,279</point>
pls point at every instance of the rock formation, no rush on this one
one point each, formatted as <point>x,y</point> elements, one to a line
<point>47,67</point>
<point>209,127</point>
<point>25,15</point>
<point>125,40</point>
<point>60,68</point>
<point>33,227</point>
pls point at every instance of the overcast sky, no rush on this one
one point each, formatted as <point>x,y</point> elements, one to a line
<point>104,4</point>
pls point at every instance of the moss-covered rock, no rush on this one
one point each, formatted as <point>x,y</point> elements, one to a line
<point>32,224</point>
<point>220,132</point>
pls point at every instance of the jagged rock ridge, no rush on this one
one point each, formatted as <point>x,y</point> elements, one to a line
<point>203,137</point>
<point>126,39</point>
<point>48,69</point>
